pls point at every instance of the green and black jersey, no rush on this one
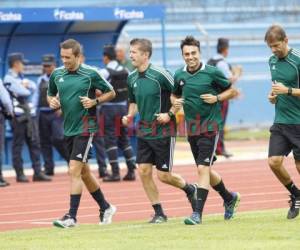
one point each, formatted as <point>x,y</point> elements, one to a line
<point>287,71</point>
<point>70,86</point>
<point>151,91</point>
<point>200,116</point>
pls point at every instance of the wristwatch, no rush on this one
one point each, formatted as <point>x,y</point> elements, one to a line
<point>171,114</point>
<point>290,91</point>
<point>97,101</point>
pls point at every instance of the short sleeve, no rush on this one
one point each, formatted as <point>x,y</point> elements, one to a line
<point>52,89</point>
<point>166,80</point>
<point>100,83</point>
<point>224,67</point>
<point>177,89</point>
<point>131,96</point>
<point>220,81</point>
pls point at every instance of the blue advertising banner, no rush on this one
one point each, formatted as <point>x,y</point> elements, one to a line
<point>81,14</point>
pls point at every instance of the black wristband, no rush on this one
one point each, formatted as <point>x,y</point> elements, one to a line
<point>290,91</point>
<point>97,101</point>
<point>171,114</point>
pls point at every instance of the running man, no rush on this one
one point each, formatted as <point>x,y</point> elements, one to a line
<point>285,132</point>
<point>72,88</point>
<point>200,88</point>
<point>149,90</point>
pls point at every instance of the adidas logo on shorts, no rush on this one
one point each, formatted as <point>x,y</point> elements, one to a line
<point>79,156</point>
<point>207,160</point>
<point>164,166</point>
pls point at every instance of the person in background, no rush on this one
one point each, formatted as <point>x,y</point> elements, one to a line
<point>122,58</point>
<point>24,122</point>
<point>232,73</point>
<point>115,135</point>
<point>50,121</point>
<point>6,110</point>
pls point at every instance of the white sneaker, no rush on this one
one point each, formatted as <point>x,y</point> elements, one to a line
<point>106,215</point>
<point>65,222</point>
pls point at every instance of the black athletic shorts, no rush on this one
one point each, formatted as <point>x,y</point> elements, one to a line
<point>284,138</point>
<point>158,152</point>
<point>79,147</point>
<point>203,147</point>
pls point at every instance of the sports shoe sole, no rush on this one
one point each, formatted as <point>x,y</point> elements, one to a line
<point>60,225</point>
<point>189,221</point>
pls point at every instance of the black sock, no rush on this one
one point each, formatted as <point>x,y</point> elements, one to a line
<point>158,209</point>
<point>188,189</point>
<point>201,198</point>
<point>293,189</point>
<point>74,204</point>
<point>99,198</point>
<point>223,192</point>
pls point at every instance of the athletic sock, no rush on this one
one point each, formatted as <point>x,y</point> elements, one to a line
<point>293,189</point>
<point>99,198</point>
<point>223,192</point>
<point>158,209</point>
<point>74,204</point>
<point>188,189</point>
<point>201,198</point>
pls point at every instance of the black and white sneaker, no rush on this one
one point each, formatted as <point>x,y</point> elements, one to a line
<point>157,219</point>
<point>65,222</point>
<point>107,215</point>
<point>294,207</point>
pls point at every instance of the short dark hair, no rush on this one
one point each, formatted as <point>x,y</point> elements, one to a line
<point>275,33</point>
<point>16,57</point>
<point>190,41</point>
<point>223,43</point>
<point>72,44</point>
<point>145,45</point>
<point>109,51</point>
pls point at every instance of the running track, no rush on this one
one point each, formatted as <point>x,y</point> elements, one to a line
<point>35,205</point>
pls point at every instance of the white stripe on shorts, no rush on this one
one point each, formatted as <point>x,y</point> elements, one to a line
<point>215,147</point>
<point>87,149</point>
<point>172,146</point>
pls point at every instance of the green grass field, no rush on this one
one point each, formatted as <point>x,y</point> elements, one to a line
<point>255,230</point>
<point>247,134</point>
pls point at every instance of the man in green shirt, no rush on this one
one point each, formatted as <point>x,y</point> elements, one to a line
<point>72,88</point>
<point>149,89</point>
<point>285,132</point>
<point>200,88</point>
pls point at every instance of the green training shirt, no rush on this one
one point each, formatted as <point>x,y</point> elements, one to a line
<point>151,91</point>
<point>69,86</point>
<point>287,71</point>
<point>200,116</point>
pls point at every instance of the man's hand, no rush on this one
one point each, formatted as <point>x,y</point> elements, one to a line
<point>54,103</point>
<point>87,102</point>
<point>272,98</point>
<point>162,118</point>
<point>209,98</point>
<point>126,120</point>
<point>279,88</point>
<point>237,70</point>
